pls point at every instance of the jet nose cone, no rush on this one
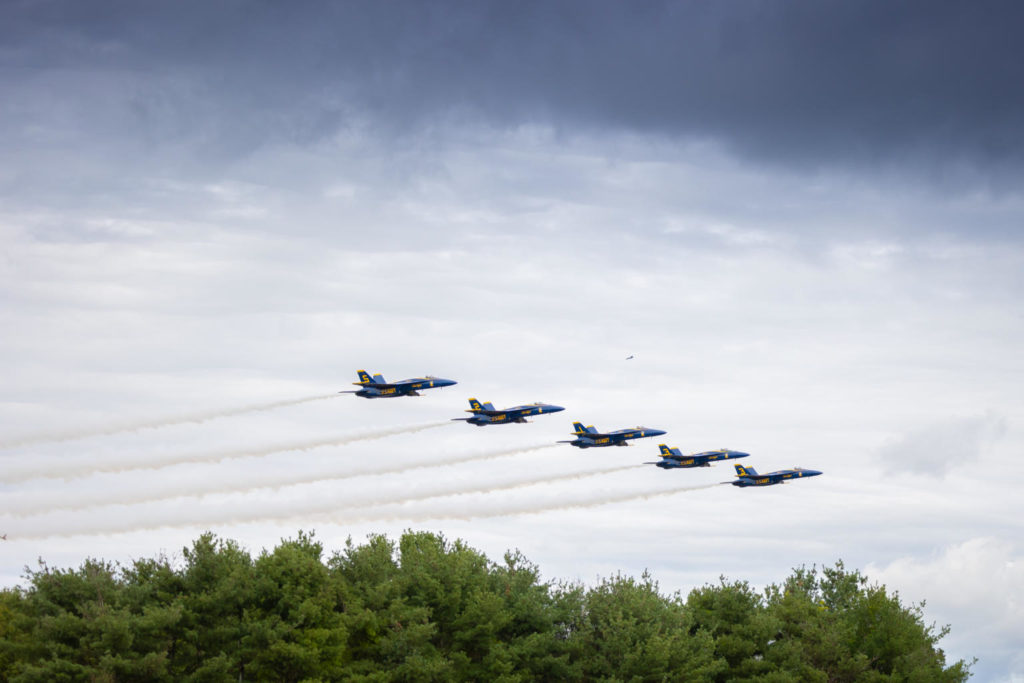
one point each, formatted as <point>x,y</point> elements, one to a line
<point>656,432</point>
<point>441,382</point>
<point>811,473</point>
<point>739,454</point>
<point>555,409</point>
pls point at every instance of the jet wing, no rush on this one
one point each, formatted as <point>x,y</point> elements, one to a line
<point>423,382</point>
<point>484,411</point>
<point>636,432</point>
<point>519,410</point>
<point>688,459</point>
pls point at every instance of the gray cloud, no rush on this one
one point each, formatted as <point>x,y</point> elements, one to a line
<point>941,446</point>
<point>806,83</point>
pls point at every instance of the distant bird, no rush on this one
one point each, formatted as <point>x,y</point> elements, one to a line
<point>3,538</point>
<point>629,357</point>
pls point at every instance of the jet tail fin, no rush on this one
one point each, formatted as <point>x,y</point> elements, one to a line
<point>665,450</point>
<point>475,404</point>
<point>579,428</point>
<point>488,406</point>
<point>364,377</point>
<point>379,379</point>
<point>742,471</point>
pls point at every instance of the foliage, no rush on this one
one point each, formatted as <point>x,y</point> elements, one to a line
<point>428,609</point>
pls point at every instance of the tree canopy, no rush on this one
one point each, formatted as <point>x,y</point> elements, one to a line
<point>428,609</point>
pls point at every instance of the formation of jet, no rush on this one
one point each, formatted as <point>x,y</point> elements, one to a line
<point>485,413</point>
<point>378,387</point>
<point>748,476</point>
<point>671,458</point>
<point>589,437</point>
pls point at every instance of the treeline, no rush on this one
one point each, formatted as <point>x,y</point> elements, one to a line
<point>426,609</point>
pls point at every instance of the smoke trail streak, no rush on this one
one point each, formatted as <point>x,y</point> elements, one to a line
<point>198,517</point>
<point>35,503</point>
<point>60,469</point>
<point>534,509</point>
<point>532,481</point>
<point>31,440</point>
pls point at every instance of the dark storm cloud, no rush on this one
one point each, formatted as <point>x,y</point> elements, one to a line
<point>804,82</point>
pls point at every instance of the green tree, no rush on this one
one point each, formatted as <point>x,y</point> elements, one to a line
<point>387,638</point>
<point>629,632</point>
<point>214,588</point>
<point>733,615</point>
<point>427,609</point>
<point>78,625</point>
<point>836,627</point>
<point>536,626</point>
<point>295,627</point>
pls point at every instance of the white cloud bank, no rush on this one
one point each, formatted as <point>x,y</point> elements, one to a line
<point>977,587</point>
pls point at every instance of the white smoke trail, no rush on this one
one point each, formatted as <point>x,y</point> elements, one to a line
<point>51,437</point>
<point>56,468</point>
<point>30,503</point>
<point>522,483</point>
<point>512,509</point>
<point>196,516</point>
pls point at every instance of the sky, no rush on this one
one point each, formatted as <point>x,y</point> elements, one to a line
<point>802,220</point>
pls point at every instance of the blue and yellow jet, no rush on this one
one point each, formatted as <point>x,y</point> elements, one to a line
<point>485,413</point>
<point>589,437</point>
<point>377,387</point>
<point>671,458</point>
<point>748,476</point>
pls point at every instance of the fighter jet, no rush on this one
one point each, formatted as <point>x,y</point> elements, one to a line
<point>485,414</point>
<point>377,387</point>
<point>748,476</point>
<point>671,458</point>
<point>589,437</point>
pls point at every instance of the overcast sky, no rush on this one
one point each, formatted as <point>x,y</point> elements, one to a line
<point>802,219</point>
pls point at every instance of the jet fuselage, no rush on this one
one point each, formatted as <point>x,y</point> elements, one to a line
<point>377,387</point>
<point>484,416</point>
<point>672,459</point>
<point>589,437</point>
<point>752,478</point>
